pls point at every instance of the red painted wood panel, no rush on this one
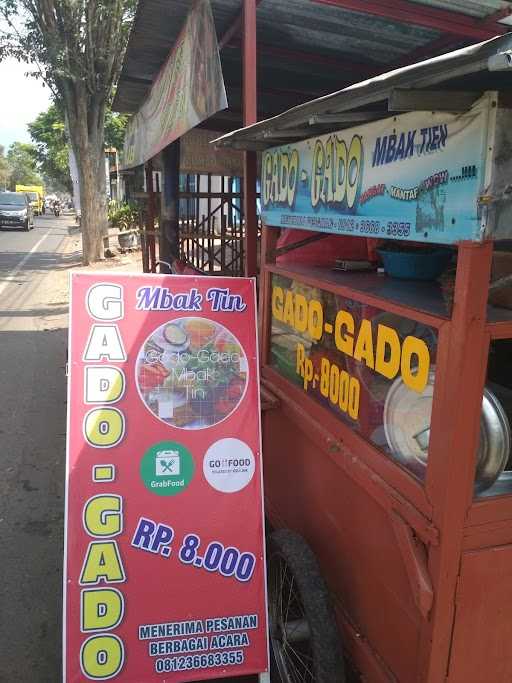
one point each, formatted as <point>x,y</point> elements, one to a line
<point>352,536</point>
<point>483,628</point>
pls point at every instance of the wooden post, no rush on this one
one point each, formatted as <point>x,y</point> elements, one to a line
<point>144,244</point>
<point>269,238</point>
<point>169,219</point>
<point>455,432</point>
<point>150,224</point>
<point>250,117</point>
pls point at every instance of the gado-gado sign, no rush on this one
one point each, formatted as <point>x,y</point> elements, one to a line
<point>417,176</point>
<point>188,89</point>
<point>164,569</point>
<point>352,358</point>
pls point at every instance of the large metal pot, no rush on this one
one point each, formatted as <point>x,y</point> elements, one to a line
<point>407,427</point>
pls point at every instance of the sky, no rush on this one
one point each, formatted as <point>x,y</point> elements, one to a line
<point>23,98</point>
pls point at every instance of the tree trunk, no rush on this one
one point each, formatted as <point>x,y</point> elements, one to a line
<point>93,208</point>
<point>86,132</point>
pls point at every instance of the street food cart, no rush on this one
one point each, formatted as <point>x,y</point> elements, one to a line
<point>386,423</point>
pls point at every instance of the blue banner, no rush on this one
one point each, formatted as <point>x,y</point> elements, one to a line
<point>417,176</point>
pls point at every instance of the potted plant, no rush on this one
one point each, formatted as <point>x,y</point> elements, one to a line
<point>124,217</point>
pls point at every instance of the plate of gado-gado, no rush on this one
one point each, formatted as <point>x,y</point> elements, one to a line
<point>191,373</point>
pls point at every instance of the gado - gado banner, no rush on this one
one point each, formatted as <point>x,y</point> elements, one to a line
<point>164,567</point>
<point>372,369</point>
<point>188,90</point>
<point>418,176</point>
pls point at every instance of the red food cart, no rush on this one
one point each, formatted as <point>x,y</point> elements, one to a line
<point>387,400</point>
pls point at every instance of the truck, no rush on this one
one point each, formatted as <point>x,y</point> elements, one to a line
<point>35,193</point>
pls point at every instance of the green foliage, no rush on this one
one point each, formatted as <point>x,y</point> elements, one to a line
<point>123,216</point>
<point>77,47</point>
<point>115,128</point>
<point>68,41</point>
<point>49,135</point>
<point>22,158</point>
<point>48,132</point>
<point>4,169</point>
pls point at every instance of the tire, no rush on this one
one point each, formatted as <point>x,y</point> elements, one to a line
<point>304,638</point>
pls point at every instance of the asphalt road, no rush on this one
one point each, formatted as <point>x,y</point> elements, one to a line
<point>33,321</point>
<point>34,269</point>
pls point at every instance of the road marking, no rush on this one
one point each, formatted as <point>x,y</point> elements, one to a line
<point>20,265</point>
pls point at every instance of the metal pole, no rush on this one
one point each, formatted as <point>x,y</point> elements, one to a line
<point>250,117</point>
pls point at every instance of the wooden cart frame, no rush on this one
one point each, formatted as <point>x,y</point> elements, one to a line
<point>450,545</point>
<point>420,572</point>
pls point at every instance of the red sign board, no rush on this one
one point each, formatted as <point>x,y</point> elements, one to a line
<point>164,564</point>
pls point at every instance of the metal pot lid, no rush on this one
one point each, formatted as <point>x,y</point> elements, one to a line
<point>407,417</point>
<point>501,487</point>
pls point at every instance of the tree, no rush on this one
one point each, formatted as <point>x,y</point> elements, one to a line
<point>79,47</point>
<point>49,135</point>
<point>4,170</point>
<point>21,158</point>
<point>115,129</point>
<point>48,132</point>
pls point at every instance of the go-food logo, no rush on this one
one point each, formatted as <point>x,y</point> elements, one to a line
<point>228,465</point>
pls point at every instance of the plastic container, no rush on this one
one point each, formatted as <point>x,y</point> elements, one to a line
<point>415,265</point>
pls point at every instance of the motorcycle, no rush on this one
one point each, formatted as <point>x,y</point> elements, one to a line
<point>56,210</point>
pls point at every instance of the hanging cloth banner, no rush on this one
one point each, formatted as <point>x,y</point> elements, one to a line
<point>189,89</point>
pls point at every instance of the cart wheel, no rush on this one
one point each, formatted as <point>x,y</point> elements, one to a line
<point>303,634</point>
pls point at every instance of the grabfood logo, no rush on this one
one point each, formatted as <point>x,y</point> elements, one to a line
<point>336,171</point>
<point>280,170</point>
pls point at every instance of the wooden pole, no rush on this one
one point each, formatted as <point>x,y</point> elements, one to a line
<point>150,225</point>
<point>169,220</point>
<point>250,117</point>
<point>461,366</point>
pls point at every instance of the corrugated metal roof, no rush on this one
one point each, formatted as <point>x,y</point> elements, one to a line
<point>472,8</point>
<point>305,48</point>
<point>332,30</point>
<point>464,70</point>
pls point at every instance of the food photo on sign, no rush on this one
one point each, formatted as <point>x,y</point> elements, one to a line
<point>165,560</point>
<point>192,373</point>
